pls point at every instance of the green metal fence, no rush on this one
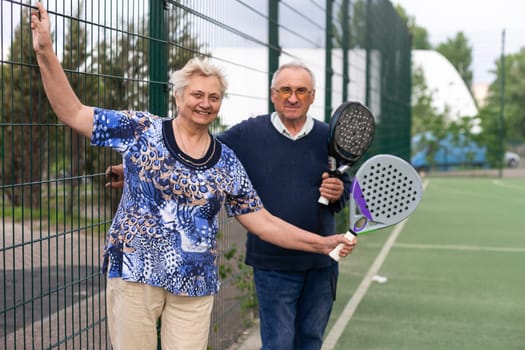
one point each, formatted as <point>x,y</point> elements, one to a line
<point>118,54</point>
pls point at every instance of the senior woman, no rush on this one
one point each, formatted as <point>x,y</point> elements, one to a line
<point>161,251</point>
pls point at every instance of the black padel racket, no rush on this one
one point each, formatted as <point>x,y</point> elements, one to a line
<point>385,190</point>
<point>352,129</point>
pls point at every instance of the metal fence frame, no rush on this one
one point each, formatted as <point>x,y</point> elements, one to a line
<point>54,207</point>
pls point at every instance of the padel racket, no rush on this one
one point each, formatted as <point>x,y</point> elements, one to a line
<point>352,129</point>
<point>385,190</point>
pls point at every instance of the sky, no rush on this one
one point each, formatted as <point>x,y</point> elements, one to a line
<point>481,21</point>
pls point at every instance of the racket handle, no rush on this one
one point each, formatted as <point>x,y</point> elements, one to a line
<point>323,200</point>
<point>334,254</point>
<point>334,173</point>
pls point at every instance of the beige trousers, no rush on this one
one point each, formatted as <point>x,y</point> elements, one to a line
<point>133,310</point>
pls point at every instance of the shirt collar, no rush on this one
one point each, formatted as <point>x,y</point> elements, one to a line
<point>279,126</point>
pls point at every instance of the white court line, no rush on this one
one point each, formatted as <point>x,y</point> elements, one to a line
<point>500,183</point>
<point>340,325</point>
<point>461,247</point>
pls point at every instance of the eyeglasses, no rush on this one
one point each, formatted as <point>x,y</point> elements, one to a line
<point>286,92</point>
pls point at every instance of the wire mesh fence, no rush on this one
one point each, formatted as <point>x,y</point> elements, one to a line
<point>118,54</point>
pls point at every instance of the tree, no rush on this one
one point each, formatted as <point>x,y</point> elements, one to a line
<point>419,34</point>
<point>126,67</point>
<point>433,129</point>
<point>112,73</point>
<point>426,120</point>
<point>75,58</point>
<point>24,118</point>
<point>122,64</point>
<point>514,106</point>
<point>459,52</point>
<point>425,116</point>
<point>356,26</point>
<point>514,101</point>
<point>431,125</point>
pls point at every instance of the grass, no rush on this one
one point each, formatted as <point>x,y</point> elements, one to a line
<point>88,208</point>
<point>456,275</point>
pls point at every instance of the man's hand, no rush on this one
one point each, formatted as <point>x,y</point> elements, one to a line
<point>331,188</point>
<point>115,176</point>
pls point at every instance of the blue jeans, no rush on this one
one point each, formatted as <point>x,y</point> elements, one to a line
<point>294,307</point>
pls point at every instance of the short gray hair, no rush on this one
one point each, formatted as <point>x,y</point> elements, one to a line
<point>197,66</point>
<point>293,65</point>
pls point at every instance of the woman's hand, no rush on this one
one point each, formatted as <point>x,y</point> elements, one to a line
<point>40,28</point>
<point>270,228</point>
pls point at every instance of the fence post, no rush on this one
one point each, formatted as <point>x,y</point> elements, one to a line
<point>158,59</point>
<point>274,50</point>
<point>328,62</point>
<point>368,43</point>
<point>501,121</point>
<point>345,46</point>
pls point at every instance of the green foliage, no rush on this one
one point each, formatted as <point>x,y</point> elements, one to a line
<point>217,127</point>
<point>237,271</point>
<point>241,276</point>
<point>434,126</point>
<point>490,137</point>
<point>358,25</point>
<point>426,120</point>
<point>112,73</point>
<point>23,117</point>
<point>53,210</point>
<point>425,117</point>
<point>457,49</point>
<point>357,29</point>
<point>459,52</point>
<point>75,56</point>
<point>511,107</point>
<point>226,269</point>
<point>419,34</point>
<point>342,220</point>
<point>514,94</point>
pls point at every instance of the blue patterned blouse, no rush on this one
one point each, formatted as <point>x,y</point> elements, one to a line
<point>164,232</point>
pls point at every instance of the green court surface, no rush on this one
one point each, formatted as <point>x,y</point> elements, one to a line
<point>455,274</point>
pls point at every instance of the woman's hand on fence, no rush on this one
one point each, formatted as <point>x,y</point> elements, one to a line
<point>40,28</point>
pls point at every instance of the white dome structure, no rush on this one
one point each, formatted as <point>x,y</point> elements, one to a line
<point>443,80</point>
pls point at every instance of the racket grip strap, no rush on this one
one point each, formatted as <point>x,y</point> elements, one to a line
<point>323,200</point>
<point>339,172</point>
<point>334,254</point>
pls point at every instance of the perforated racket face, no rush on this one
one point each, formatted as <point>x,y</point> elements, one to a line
<point>387,189</point>
<point>353,128</point>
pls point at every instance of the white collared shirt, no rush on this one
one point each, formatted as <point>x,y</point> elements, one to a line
<point>279,126</point>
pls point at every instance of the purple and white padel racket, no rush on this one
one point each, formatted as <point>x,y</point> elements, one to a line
<point>385,191</point>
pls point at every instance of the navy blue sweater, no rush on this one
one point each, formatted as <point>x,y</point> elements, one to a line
<point>287,176</point>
